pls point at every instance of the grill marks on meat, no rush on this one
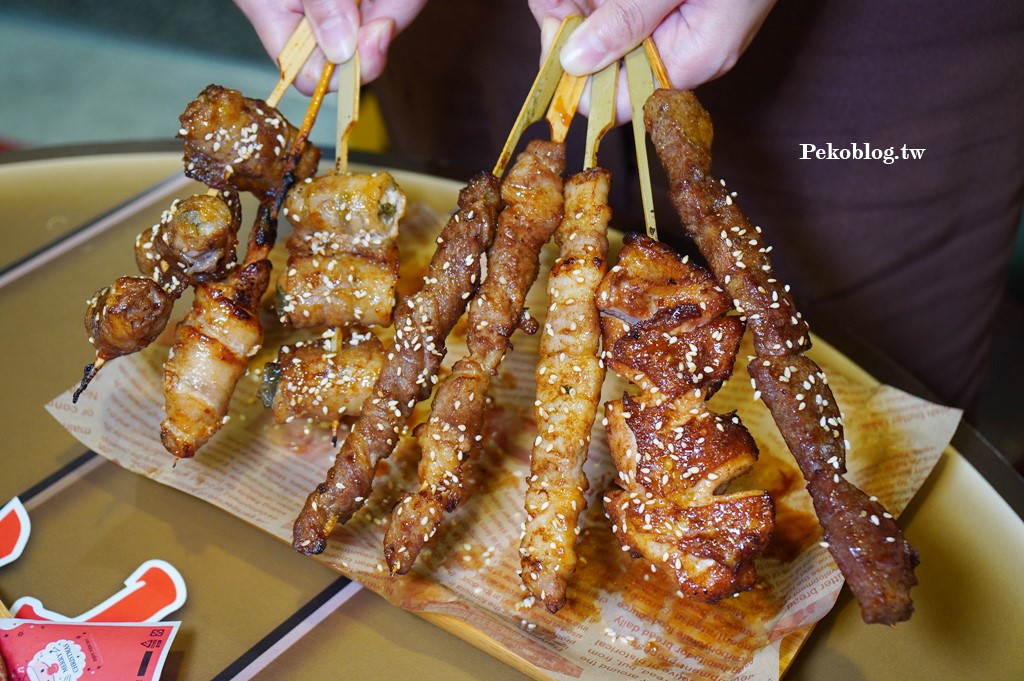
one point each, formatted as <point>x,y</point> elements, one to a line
<point>422,323</point>
<point>569,377</point>
<point>532,192</point>
<point>236,141</point>
<point>343,253</point>
<point>675,458</point>
<point>864,540</point>
<point>210,354</point>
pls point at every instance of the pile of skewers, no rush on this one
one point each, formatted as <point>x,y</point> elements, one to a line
<point>667,325</point>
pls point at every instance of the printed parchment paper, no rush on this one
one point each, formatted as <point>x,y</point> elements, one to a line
<point>622,621</point>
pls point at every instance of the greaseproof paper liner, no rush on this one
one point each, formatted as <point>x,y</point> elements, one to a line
<point>622,620</point>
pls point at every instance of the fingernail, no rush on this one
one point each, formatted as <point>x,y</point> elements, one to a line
<point>383,30</point>
<point>337,39</point>
<point>581,54</point>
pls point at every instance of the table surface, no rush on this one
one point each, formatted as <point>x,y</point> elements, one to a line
<point>66,235</point>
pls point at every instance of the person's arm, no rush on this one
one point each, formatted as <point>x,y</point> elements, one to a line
<point>699,40</point>
<point>340,26</point>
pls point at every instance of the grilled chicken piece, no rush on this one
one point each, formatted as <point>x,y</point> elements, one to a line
<point>210,354</point>
<point>532,191</point>
<point>323,379</point>
<point>235,141</point>
<point>569,378</point>
<point>343,253</point>
<point>862,537</point>
<point>194,242</point>
<point>422,323</point>
<point>675,458</point>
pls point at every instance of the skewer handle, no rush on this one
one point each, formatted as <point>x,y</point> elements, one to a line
<point>348,108</point>
<point>541,92</point>
<point>563,105</point>
<point>657,65</point>
<point>641,86</point>
<point>603,87</point>
<point>5,614</point>
<point>296,51</point>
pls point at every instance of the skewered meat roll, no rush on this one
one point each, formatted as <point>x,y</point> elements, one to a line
<point>532,191</point>
<point>322,379</point>
<point>343,253</point>
<point>569,377</point>
<point>675,457</point>
<point>236,141</point>
<point>212,345</point>
<point>422,323</point>
<point>862,537</point>
<point>194,241</point>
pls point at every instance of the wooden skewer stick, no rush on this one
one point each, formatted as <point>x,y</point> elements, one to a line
<point>348,108</point>
<point>4,612</point>
<point>293,56</point>
<point>657,65</point>
<point>563,105</point>
<point>641,86</point>
<point>603,86</point>
<point>541,92</point>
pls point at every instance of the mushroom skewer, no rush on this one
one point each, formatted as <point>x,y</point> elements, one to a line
<point>128,315</point>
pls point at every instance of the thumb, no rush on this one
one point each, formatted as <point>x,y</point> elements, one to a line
<point>614,28</point>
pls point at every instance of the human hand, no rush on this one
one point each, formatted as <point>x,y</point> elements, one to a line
<point>699,40</point>
<point>340,27</point>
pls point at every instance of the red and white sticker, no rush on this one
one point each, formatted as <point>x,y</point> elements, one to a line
<point>14,530</point>
<point>152,592</point>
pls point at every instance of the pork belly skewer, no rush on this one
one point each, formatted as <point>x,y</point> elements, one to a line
<point>129,315</point>
<point>422,323</point>
<point>222,330</point>
<point>666,333</point>
<point>342,271</point>
<point>570,371</point>
<point>862,537</point>
<point>532,191</point>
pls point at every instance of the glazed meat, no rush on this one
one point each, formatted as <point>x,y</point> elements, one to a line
<point>235,141</point>
<point>569,377</point>
<point>343,253</point>
<point>210,354</point>
<point>126,316</point>
<point>315,380</point>
<point>194,242</point>
<point>862,537</point>
<point>675,458</point>
<point>532,192</point>
<point>422,323</point>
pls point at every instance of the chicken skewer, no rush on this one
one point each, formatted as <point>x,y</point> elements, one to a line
<point>222,330</point>
<point>533,210</point>
<point>422,323</point>
<point>130,314</point>
<point>570,370</point>
<point>862,537</point>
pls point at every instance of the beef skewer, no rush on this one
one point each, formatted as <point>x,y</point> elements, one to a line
<point>222,330</point>
<point>862,537</point>
<point>422,323</point>
<point>570,370</point>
